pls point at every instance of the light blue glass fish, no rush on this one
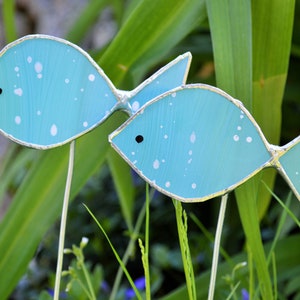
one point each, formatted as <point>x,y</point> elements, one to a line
<point>196,142</point>
<point>51,91</point>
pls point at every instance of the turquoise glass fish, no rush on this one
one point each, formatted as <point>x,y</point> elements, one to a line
<point>51,91</point>
<point>196,142</point>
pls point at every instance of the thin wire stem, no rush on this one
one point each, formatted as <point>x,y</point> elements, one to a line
<point>214,267</point>
<point>63,221</point>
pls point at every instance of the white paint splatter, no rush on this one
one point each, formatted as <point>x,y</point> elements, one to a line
<point>194,185</point>
<point>38,67</point>
<point>173,95</point>
<point>161,126</point>
<point>156,164</point>
<point>67,80</point>
<point>236,138</point>
<point>82,90</point>
<point>18,92</point>
<point>17,69</point>
<point>168,184</point>
<point>190,152</point>
<point>38,112</point>
<point>190,161</point>
<point>91,77</point>
<point>239,128</point>
<point>135,105</point>
<point>193,137</point>
<point>53,130</point>
<point>18,120</point>
<point>249,139</point>
<point>85,124</point>
<point>132,153</point>
<point>165,136</point>
<point>39,76</point>
<point>241,116</point>
<point>29,59</point>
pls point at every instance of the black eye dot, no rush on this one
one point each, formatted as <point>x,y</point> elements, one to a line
<point>139,138</point>
<point>0,91</point>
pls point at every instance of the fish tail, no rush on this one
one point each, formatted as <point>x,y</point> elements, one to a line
<point>172,75</point>
<point>289,164</point>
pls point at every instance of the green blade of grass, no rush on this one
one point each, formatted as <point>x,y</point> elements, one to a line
<point>124,185</point>
<point>8,13</point>
<point>167,23</point>
<point>85,20</point>
<point>231,29</point>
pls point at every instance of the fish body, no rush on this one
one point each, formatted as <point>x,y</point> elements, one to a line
<point>196,142</point>
<point>51,91</point>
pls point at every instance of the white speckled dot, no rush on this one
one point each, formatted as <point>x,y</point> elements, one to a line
<point>67,80</point>
<point>165,136</point>
<point>29,59</point>
<point>18,120</point>
<point>193,137</point>
<point>156,164</point>
<point>17,69</point>
<point>18,92</point>
<point>190,161</point>
<point>91,77</point>
<point>135,105</point>
<point>239,128</point>
<point>249,139</point>
<point>190,152</point>
<point>168,184</point>
<point>82,90</point>
<point>132,153</point>
<point>38,112</point>
<point>194,185</point>
<point>53,130</point>
<point>38,67</point>
<point>173,95</point>
<point>236,138</point>
<point>85,124</point>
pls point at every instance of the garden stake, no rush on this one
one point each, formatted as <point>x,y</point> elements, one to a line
<point>63,221</point>
<point>213,273</point>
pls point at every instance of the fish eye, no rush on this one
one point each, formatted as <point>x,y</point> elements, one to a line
<point>139,138</point>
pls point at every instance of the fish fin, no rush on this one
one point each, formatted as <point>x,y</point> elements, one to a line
<point>289,165</point>
<point>170,76</point>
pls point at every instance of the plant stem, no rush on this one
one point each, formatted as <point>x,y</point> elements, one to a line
<point>63,221</point>
<point>214,268</point>
<point>147,268</point>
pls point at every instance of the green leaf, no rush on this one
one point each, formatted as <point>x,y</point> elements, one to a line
<point>231,29</point>
<point>8,13</point>
<point>152,29</point>
<point>86,19</point>
<point>123,183</point>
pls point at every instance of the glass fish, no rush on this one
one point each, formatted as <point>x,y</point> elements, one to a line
<point>51,91</point>
<point>197,142</point>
